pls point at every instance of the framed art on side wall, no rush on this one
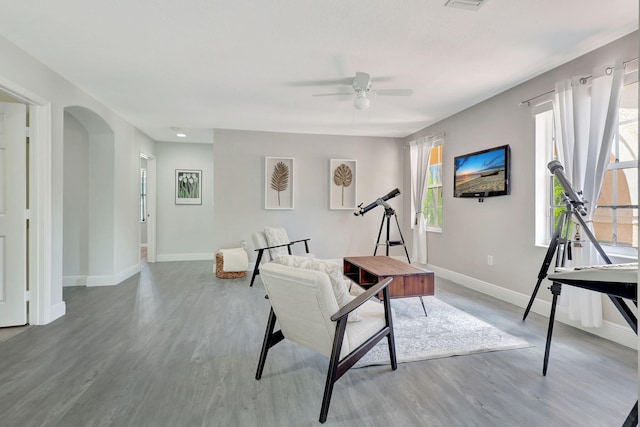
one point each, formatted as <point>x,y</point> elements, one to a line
<point>342,184</point>
<point>278,182</point>
<point>188,187</point>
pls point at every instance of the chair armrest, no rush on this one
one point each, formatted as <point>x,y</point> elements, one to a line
<point>298,241</point>
<point>361,299</point>
<point>284,245</point>
<point>306,244</point>
<point>272,247</point>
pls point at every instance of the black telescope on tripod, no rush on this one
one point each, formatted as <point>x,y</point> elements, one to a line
<point>560,245</point>
<point>381,201</point>
<point>388,213</point>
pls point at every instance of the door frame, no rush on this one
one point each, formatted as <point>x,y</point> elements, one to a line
<point>151,206</point>
<point>41,272</point>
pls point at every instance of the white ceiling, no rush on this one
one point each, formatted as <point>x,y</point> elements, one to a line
<point>253,65</point>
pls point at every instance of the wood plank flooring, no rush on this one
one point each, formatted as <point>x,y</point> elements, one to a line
<point>174,346</point>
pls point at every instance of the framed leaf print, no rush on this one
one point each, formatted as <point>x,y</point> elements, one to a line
<point>278,188</point>
<point>342,184</point>
<point>188,187</point>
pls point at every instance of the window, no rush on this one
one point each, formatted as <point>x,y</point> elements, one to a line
<point>544,184</point>
<point>433,204</point>
<point>615,221</point>
<point>143,195</point>
<point>616,218</point>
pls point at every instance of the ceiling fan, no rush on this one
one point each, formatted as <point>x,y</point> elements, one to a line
<point>361,85</point>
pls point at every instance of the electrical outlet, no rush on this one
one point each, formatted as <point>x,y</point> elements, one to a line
<point>244,245</point>
<point>489,259</point>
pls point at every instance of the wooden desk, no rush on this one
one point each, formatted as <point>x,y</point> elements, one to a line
<point>617,282</point>
<point>408,280</point>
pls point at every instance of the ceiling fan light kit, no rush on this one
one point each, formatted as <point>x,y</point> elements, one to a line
<point>361,85</point>
<point>361,102</point>
<point>466,4</point>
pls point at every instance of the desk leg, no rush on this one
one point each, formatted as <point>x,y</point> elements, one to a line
<point>626,312</point>
<point>555,288</point>
<point>423,309</point>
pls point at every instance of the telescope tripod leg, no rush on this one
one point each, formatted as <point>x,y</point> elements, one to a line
<point>387,215</point>
<point>405,250</point>
<point>551,251</point>
<point>555,288</point>
<point>380,234</point>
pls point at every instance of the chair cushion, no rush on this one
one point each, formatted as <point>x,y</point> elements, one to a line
<point>275,237</point>
<point>304,302</point>
<point>371,321</point>
<point>333,270</point>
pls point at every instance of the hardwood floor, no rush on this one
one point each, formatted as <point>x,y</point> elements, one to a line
<point>174,346</point>
<point>6,333</point>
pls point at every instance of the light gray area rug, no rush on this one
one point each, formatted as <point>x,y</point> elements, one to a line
<point>446,331</point>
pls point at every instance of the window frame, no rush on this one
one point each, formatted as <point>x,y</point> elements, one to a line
<point>544,181</point>
<point>433,185</point>
<point>631,77</point>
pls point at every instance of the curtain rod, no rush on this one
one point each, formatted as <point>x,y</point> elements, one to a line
<point>424,139</point>
<point>527,102</point>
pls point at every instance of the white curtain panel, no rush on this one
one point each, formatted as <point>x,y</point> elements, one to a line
<point>419,156</point>
<point>586,117</point>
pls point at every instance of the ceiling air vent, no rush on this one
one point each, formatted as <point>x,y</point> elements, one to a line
<point>465,4</point>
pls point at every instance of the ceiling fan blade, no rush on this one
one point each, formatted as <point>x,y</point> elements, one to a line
<point>380,79</point>
<point>333,94</point>
<point>393,92</point>
<point>325,82</point>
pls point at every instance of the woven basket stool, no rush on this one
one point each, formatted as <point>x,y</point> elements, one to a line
<point>226,274</point>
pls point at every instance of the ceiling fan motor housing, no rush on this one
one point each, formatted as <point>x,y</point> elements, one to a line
<point>361,82</point>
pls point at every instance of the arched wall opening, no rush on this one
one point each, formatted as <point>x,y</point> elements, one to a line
<point>88,199</point>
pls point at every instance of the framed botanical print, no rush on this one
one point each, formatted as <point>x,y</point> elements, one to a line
<point>278,188</point>
<point>342,184</point>
<point>188,187</point>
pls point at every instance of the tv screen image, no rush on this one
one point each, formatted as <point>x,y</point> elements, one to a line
<point>483,173</point>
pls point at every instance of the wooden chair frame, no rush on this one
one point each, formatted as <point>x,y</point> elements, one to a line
<point>337,368</point>
<point>256,269</point>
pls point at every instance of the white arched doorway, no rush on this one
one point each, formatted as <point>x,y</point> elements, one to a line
<point>88,199</point>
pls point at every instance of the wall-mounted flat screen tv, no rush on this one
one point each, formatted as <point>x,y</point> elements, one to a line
<point>483,173</point>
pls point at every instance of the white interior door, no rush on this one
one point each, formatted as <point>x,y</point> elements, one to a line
<point>13,228</point>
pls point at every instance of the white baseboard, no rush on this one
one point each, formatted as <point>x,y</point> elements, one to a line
<point>620,334</point>
<point>185,257</point>
<point>57,311</point>
<point>127,272</point>
<point>107,280</point>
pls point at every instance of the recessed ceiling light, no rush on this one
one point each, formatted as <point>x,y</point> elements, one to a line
<point>179,132</point>
<point>465,4</point>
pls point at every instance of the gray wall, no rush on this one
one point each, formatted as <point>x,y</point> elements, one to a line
<point>503,226</point>
<point>240,186</point>
<point>185,232</point>
<point>76,199</point>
